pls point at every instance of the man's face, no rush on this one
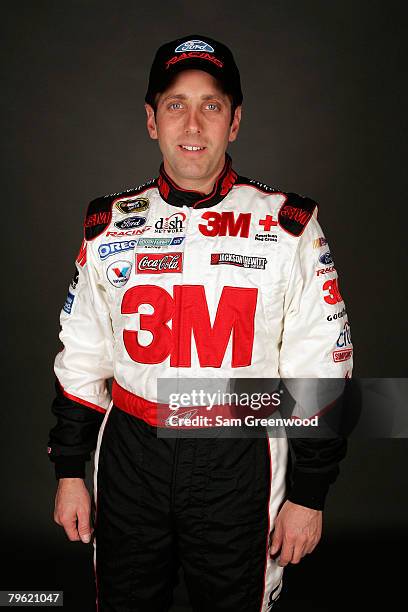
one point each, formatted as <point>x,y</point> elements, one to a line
<point>193,126</point>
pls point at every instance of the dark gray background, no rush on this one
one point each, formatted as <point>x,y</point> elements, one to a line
<point>324,115</point>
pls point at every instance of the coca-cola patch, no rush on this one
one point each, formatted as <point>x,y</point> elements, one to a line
<point>158,263</point>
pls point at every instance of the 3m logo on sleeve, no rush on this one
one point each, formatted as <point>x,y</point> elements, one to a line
<point>118,273</point>
<point>100,218</point>
<point>295,214</point>
<point>332,295</point>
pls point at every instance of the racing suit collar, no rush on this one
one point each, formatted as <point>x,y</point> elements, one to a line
<point>176,196</point>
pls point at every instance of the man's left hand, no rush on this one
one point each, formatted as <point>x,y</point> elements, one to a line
<point>297,532</point>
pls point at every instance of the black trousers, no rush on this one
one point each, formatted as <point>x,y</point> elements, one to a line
<point>161,502</point>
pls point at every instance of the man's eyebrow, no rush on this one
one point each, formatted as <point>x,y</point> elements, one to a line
<point>213,97</point>
<point>204,97</point>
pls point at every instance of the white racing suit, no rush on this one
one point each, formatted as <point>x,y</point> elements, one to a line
<point>239,283</point>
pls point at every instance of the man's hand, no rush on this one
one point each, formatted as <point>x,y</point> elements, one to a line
<point>72,504</point>
<point>297,532</point>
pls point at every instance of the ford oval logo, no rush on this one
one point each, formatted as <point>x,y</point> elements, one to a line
<point>326,259</point>
<point>194,45</point>
<point>130,223</point>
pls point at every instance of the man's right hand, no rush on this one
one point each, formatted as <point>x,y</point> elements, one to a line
<point>73,509</point>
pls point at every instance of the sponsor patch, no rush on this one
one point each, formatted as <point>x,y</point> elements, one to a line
<point>188,54</point>
<point>118,273</point>
<point>332,295</point>
<point>99,218</point>
<point>326,259</point>
<point>194,45</point>
<point>130,223</point>
<point>337,315</point>
<point>319,242</point>
<point>242,261</point>
<point>325,270</point>
<point>174,223</point>
<point>67,307</point>
<point>267,223</point>
<point>158,263</point>
<point>112,248</point>
<point>132,205</point>
<point>74,280</point>
<point>342,355</point>
<point>225,224</point>
<point>135,232</point>
<point>159,242</point>
<point>267,237</point>
<point>344,338</point>
<point>295,213</point>
<point>177,240</point>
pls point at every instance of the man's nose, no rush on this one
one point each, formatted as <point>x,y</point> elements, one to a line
<point>193,122</point>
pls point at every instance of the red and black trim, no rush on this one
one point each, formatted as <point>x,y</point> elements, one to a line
<point>98,217</point>
<point>295,213</point>
<point>176,196</point>
<point>99,213</point>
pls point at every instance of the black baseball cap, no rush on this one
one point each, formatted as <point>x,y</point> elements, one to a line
<point>194,52</point>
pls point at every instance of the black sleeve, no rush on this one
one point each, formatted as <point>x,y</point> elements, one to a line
<point>74,437</point>
<point>313,467</point>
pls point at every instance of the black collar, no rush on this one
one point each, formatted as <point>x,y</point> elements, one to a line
<point>176,196</point>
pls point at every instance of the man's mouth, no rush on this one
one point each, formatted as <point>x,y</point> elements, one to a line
<point>192,147</point>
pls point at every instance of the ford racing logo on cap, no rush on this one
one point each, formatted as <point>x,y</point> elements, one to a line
<point>326,259</point>
<point>194,45</point>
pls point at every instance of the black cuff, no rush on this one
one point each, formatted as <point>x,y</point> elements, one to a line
<point>310,489</point>
<point>70,467</point>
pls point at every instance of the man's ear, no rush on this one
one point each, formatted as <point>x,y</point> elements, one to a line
<point>234,128</point>
<point>151,122</point>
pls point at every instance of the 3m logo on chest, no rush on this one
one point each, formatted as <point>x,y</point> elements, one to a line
<point>188,312</point>
<point>225,224</point>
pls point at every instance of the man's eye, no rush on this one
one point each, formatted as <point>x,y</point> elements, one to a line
<point>175,105</point>
<point>212,106</point>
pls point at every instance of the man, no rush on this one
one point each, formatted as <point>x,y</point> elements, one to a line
<point>198,273</point>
